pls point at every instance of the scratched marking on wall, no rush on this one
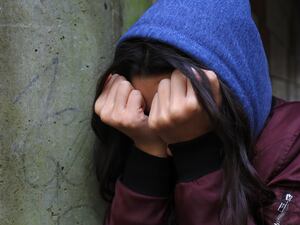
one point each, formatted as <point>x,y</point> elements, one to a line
<point>52,51</point>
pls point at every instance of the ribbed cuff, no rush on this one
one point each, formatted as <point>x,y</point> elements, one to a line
<point>197,157</point>
<point>148,174</point>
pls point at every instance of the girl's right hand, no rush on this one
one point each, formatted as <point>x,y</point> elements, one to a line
<point>122,107</point>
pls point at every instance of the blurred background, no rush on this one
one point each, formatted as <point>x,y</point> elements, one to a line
<point>51,54</point>
<point>279,24</point>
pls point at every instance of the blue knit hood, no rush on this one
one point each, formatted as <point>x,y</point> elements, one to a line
<point>222,36</point>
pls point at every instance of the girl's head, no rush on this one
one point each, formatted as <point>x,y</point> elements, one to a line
<point>222,36</point>
<point>144,62</point>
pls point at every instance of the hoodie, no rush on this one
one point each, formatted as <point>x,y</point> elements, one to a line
<point>223,37</point>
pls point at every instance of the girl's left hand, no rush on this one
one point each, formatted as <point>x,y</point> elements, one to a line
<point>176,114</point>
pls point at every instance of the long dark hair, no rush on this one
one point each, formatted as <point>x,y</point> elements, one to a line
<point>243,192</point>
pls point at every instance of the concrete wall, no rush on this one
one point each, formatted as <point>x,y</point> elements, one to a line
<point>50,54</point>
<point>131,11</point>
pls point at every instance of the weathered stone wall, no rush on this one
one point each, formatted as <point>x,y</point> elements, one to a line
<point>50,54</point>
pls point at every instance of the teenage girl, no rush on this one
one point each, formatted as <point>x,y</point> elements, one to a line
<point>188,131</point>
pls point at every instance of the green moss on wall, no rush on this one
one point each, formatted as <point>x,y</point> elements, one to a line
<point>132,10</point>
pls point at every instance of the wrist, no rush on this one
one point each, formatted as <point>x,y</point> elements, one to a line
<point>159,150</point>
<point>147,174</point>
<point>197,157</point>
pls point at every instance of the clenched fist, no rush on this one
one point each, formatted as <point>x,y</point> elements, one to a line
<point>176,114</point>
<point>122,107</point>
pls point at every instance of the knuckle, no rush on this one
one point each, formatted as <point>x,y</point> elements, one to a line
<point>162,122</point>
<point>131,124</point>
<point>116,119</point>
<point>192,106</point>
<point>152,123</point>
<point>98,104</point>
<point>127,122</point>
<point>104,116</point>
<point>165,120</point>
<point>176,113</point>
<point>97,107</point>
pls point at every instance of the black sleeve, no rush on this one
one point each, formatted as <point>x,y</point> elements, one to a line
<point>148,174</point>
<point>197,157</point>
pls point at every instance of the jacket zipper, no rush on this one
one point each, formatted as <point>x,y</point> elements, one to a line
<point>283,207</point>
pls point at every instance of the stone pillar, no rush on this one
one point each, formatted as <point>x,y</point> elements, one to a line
<point>51,53</point>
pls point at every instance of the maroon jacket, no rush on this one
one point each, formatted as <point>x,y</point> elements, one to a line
<point>142,191</point>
